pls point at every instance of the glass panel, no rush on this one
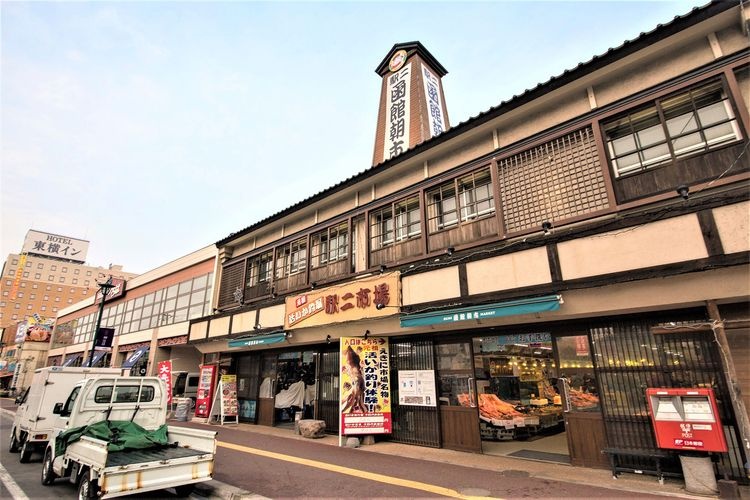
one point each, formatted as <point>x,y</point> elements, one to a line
<point>456,390</point>
<point>657,154</point>
<point>172,291</point>
<point>184,287</point>
<point>577,367</point>
<point>714,113</point>
<point>688,143</point>
<point>682,124</point>
<point>651,135</point>
<point>453,357</point>
<point>627,163</point>
<point>200,282</point>
<point>721,133</point>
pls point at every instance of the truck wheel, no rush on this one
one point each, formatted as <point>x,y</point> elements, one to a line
<point>184,490</point>
<point>86,487</point>
<point>26,451</point>
<point>13,446</point>
<point>48,473</point>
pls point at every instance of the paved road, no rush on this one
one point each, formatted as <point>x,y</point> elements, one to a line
<point>283,467</point>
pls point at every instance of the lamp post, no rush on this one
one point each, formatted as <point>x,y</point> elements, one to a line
<point>104,288</point>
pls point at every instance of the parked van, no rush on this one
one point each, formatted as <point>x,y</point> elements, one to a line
<point>34,420</point>
<point>185,385</point>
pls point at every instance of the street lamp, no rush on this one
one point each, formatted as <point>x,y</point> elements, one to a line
<point>104,288</point>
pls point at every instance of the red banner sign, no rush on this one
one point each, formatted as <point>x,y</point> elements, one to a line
<point>165,373</point>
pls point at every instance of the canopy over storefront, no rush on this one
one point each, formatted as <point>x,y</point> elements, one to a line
<point>269,338</point>
<point>487,311</point>
<point>134,357</point>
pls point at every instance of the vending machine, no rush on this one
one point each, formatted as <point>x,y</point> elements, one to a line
<point>686,419</point>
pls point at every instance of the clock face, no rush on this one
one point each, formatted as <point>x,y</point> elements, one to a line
<point>398,60</point>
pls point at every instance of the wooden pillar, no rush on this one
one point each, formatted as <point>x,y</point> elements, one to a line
<point>740,412</point>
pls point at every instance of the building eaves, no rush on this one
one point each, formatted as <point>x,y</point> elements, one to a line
<point>660,32</point>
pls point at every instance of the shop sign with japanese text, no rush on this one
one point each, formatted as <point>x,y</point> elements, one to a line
<point>365,394</point>
<point>117,291</point>
<point>397,106</point>
<point>54,245</point>
<point>434,102</point>
<point>346,302</point>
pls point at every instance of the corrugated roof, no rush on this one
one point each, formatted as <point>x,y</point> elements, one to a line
<point>660,32</point>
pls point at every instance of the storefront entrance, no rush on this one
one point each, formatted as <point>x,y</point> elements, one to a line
<point>273,387</point>
<point>538,398</point>
<point>457,397</point>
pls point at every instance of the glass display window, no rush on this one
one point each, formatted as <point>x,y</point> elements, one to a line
<point>576,366</point>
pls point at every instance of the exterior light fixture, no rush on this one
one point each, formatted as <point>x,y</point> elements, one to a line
<point>379,306</point>
<point>328,339</point>
<point>367,333</point>
<point>382,268</point>
<point>313,285</point>
<point>547,227</point>
<point>449,251</point>
<point>257,326</point>
<point>683,191</point>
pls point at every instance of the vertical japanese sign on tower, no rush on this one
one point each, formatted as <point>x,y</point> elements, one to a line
<point>365,397</point>
<point>397,106</point>
<point>434,102</point>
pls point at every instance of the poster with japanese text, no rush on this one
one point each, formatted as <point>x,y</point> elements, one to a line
<point>205,391</point>
<point>365,389</point>
<point>164,370</point>
<point>229,395</point>
<point>416,388</point>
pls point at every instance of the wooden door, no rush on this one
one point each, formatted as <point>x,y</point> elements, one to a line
<point>459,416</point>
<point>586,439</point>
<point>267,391</point>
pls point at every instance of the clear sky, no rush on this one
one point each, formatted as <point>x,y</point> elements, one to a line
<point>153,129</point>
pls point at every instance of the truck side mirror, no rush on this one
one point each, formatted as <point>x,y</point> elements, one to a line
<point>57,410</point>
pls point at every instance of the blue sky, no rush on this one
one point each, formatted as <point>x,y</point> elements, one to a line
<point>153,129</point>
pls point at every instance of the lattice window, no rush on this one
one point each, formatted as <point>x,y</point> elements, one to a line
<point>231,280</point>
<point>557,180</point>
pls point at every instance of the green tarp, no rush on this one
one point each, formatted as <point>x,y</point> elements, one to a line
<point>120,434</point>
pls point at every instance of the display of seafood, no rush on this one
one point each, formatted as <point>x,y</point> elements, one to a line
<point>492,407</point>
<point>580,399</point>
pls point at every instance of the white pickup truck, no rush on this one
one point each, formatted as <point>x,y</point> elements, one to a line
<point>102,450</point>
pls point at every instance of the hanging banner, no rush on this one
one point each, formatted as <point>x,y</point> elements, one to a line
<point>18,276</point>
<point>365,392</point>
<point>164,370</point>
<point>205,391</point>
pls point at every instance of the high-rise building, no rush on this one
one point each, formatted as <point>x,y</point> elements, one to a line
<point>48,274</point>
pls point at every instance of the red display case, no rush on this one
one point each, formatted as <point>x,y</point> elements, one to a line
<point>686,419</point>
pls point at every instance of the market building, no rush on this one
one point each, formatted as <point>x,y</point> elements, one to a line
<point>48,275</point>
<point>533,269</point>
<point>147,318</point>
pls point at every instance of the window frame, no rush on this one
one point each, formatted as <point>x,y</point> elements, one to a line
<point>694,100</point>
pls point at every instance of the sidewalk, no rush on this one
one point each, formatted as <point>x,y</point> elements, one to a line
<point>508,466</point>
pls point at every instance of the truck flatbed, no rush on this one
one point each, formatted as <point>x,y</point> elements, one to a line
<point>129,457</point>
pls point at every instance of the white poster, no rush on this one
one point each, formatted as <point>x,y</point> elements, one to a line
<point>434,102</point>
<point>416,388</point>
<point>397,113</point>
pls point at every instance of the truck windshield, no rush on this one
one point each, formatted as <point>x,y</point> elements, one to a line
<point>68,408</point>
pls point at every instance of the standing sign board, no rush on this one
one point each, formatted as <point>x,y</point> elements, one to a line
<point>686,419</point>
<point>165,373</point>
<point>227,396</point>
<point>365,392</point>
<point>205,391</point>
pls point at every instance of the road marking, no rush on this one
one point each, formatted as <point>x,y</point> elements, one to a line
<point>430,488</point>
<point>15,491</point>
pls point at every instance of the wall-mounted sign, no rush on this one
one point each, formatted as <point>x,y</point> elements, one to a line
<point>21,329</point>
<point>104,338</point>
<point>434,102</point>
<point>114,293</point>
<point>397,108</point>
<point>55,245</point>
<point>39,328</point>
<point>64,333</point>
<point>346,302</point>
<point>365,394</point>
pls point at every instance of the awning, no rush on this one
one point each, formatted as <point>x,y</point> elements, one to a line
<point>486,311</point>
<point>98,355</point>
<point>71,359</point>
<point>134,357</point>
<point>269,338</point>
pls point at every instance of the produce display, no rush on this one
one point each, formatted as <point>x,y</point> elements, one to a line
<point>492,407</point>
<point>583,400</point>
